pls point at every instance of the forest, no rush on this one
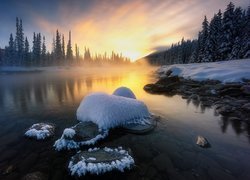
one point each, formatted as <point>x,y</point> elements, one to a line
<point>20,53</point>
<point>225,37</point>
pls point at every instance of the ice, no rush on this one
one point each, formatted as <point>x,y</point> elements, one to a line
<point>68,144</point>
<point>69,132</point>
<point>82,167</point>
<point>125,92</point>
<point>40,131</point>
<point>224,71</point>
<point>109,111</point>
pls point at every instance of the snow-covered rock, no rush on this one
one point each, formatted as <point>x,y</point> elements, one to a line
<point>40,131</point>
<point>99,161</point>
<point>84,133</point>
<point>125,92</point>
<point>224,71</point>
<point>109,111</point>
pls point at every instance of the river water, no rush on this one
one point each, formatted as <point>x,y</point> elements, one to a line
<point>169,152</point>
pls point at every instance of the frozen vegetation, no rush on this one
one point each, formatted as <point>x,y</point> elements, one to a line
<point>224,71</point>
<point>125,92</point>
<point>109,111</point>
<point>40,131</point>
<point>80,164</point>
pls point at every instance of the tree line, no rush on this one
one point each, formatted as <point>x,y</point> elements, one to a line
<point>225,37</point>
<point>19,53</point>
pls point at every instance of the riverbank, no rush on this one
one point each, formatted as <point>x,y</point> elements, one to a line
<point>230,95</point>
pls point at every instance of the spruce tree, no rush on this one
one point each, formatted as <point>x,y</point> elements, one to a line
<point>26,56</point>
<point>69,54</point>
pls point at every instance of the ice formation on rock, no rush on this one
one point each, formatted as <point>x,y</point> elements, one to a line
<point>67,140</point>
<point>106,160</point>
<point>40,131</point>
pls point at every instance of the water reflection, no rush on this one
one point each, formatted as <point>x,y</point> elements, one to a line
<point>58,93</point>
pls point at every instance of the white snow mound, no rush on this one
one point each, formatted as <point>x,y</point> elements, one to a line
<point>125,92</point>
<point>224,71</point>
<point>109,111</point>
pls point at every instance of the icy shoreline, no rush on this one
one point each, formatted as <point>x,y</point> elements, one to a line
<point>224,71</point>
<point>225,86</point>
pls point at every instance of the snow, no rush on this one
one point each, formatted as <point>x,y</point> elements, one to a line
<point>82,167</point>
<point>40,131</point>
<point>125,92</point>
<point>69,132</point>
<point>68,144</point>
<point>224,71</point>
<point>109,111</point>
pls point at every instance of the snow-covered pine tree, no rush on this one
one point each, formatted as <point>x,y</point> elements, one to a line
<point>227,26</point>
<point>245,36</point>
<point>203,38</point>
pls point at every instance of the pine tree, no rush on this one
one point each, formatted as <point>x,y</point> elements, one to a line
<point>203,39</point>
<point>26,52</point>
<point>58,47</point>
<point>43,54</point>
<point>69,54</point>
<point>11,51</point>
<point>63,48</point>
<point>227,26</point>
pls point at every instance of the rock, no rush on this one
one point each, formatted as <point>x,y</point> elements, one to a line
<point>99,161</point>
<point>168,80</point>
<point>231,92</point>
<point>234,119</point>
<point>35,176</point>
<point>194,97</point>
<point>224,109</point>
<point>202,142</point>
<point>9,169</point>
<point>246,107</point>
<point>245,89</point>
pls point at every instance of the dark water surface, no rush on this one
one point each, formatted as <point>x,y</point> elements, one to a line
<point>169,152</point>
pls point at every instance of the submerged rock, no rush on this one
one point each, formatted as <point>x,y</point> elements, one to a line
<point>40,131</point>
<point>246,89</point>
<point>99,161</point>
<point>35,176</point>
<point>202,142</point>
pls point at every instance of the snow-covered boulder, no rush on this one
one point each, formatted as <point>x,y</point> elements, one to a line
<point>40,131</point>
<point>109,111</point>
<point>125,92</point>
<point>99,161</point>
<point>84,133</point>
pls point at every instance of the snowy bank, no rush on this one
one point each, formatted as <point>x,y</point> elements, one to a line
<point>99,161</point>
<point>224,71</point>
<point>109,111</point>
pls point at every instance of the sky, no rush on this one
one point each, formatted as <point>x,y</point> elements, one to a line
<point>134,28</point>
